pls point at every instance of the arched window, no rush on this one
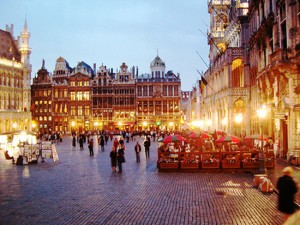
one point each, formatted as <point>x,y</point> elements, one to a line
<point>237,72</point>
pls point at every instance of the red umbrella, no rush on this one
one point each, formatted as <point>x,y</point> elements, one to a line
<point>205,135</point>
<point>256,136</point>
<point>173,138</point>
<point>229,138</point>
<point>193,135</point>
<point>199,142</point>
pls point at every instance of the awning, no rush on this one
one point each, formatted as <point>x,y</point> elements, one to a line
<point>124,123</point>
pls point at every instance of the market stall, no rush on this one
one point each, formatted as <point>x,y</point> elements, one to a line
<point>23,148</point>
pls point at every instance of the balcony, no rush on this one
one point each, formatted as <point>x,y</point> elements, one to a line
<point>279,55</point>
<point>230,53</point>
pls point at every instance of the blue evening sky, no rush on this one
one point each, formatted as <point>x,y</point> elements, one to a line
<point>114,31</point>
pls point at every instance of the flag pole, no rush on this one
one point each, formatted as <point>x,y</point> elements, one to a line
<point>207,82</point>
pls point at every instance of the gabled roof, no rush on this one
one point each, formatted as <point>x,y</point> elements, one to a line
<point>8,47</point>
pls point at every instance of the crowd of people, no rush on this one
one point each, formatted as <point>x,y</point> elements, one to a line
<point>118,147</point>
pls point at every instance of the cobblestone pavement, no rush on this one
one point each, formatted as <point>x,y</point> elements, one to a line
<point>79,189</point>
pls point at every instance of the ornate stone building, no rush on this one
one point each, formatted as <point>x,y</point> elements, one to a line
<point>275,69</point>
<point>42,104</point>
<point>226,96</point>
<point>77,99</point>
<point>80,99</point>
<point>60,97</point>
<point>254,62</point>
<point>102,97</point>
<point>124,97</point>
<point>158,98</point>
<point>15,78</point>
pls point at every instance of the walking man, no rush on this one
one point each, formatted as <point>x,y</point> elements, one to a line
<point>147,146</point>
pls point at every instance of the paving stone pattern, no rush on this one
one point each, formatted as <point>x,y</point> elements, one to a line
<point>79,189</point>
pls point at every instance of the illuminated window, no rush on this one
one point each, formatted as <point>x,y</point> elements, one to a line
<point>87,110</point>
<point>79,111</point>
<point>73,110</point>
<point>79,96</point>
<point>72,96</point>
<point>65,93</point>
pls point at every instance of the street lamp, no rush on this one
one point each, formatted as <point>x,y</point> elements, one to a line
<point>239,119</point>
<point>262,112</point>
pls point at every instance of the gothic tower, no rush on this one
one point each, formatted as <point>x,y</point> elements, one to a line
<point>25,59</point>
<point>219,20</point>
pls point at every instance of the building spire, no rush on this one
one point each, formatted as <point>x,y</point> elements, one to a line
<point>25,28</point>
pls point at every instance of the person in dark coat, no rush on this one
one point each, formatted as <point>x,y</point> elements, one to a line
<point>147,144</point>
<point>74,141</point>
<point>287,188</point>
<point>137,149</point>
<point>81,142</point>
<point>102,143</point>
<point>121,157</point>
<point>91,147</point>
<point>113,159</point>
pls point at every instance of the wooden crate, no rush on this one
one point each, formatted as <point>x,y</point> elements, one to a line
<point>233,165</point>
<point>189,165</point>
<point>210,165</point>
<point>250,165</point>
<point>169,165</point>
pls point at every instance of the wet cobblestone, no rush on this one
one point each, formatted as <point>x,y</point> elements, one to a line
<point>79,189</point>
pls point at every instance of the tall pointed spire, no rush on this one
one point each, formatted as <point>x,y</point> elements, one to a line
<point>25,28</point>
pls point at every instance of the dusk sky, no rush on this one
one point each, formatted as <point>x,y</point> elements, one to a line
<point>114,31</point>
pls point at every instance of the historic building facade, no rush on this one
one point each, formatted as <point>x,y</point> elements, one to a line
<point>82,100</point>
<point>15,78</point>
<point>124,96</point>
<point>102,97</point>
<point>158,98</point>
<point>226,94</point>
<point>254,63</point>
<point>41,98</point>
<point>274,69</point>
<point>61,98</point>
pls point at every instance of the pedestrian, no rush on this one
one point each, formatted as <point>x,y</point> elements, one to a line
<point>121,157</point>
<point>81,142</point>
<point>113,159</point>
<point>102,143</point>
<point>147,147</point>
<point>121,141</point>
<point>7,156</point>
<point>74,141</point>
<point>116,143</point>
<point>91,147</point>
<point>106,138</point>
<point>137,149</point>
<point>287,188</point>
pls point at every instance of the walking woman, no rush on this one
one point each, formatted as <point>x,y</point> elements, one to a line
<point>121,157</point>
<point>113,159</point>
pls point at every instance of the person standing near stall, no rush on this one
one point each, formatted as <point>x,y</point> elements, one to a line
<point>287,188</point>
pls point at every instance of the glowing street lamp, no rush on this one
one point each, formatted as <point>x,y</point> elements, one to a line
<point>239,119</point>
<point>262,112</point>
